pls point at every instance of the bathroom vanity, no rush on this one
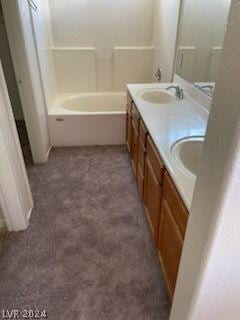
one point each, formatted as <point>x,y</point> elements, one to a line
<point>153,128</point>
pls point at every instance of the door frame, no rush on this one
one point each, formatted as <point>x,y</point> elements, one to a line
<point>26,65</point>
<point>15,195</point>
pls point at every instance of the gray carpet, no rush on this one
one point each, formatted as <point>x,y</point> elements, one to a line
<point>88,253</point>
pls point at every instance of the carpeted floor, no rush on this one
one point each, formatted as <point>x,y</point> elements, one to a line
<point>88,253</point>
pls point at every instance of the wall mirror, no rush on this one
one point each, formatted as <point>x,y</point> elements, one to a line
<point>201,34</point>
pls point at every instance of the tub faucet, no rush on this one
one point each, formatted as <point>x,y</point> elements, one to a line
<point>179,92</point>
<point>207,86</point>
<point>158,75</point>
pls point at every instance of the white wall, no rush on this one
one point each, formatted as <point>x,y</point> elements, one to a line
<point>103,25</point>
<point>5,57</point>
<point>43,39</point>
<point>203,27</point>
<point>208,285</point>
<point>166,14</point>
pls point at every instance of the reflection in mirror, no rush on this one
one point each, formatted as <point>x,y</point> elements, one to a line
<point>201,35</point>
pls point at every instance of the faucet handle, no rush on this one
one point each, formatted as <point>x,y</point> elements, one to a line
<point>158,74</point>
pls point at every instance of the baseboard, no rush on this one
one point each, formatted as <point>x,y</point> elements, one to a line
<point>45,159</point>
<point>29,214</point>
<point>48,152</point>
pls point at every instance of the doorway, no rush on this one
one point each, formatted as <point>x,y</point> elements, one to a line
<point>11,81</point>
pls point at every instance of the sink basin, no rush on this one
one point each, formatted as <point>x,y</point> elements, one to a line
<point>187,152</point>
<point>156,96</point>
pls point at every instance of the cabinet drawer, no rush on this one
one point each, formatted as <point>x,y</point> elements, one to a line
<point>140,180</point>
<point>143,133</point>
<point>135,116</point>
<point>155,159</point>
<point>179,211</point>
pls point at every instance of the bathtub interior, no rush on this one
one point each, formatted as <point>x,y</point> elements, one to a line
<point>95,102</point>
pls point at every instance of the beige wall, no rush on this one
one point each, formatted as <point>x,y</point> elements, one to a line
<point>208,285</point>
<point>6,60</point>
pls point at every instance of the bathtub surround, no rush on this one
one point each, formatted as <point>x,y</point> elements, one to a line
<point>131,65</point>
<point>103,26</point>
<point>75,69</point>
<point>115,39</point>
<point>88,252</point>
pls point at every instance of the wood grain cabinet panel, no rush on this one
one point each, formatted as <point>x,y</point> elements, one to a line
<point>170,243</point>
<point>135,116</point>
<point>129,102</point>
<point>134,148</point>
<point>141,167</point>
<point>140,180</point>
<point>152,197</point>
<point>129,123</point>
<point>129,131</point>
<point>141,154</point>
<point>179,211</point>
<point>172,227</point>
<point>155,159</point>
<point>143,133</point>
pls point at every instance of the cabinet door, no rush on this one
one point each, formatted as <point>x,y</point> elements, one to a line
<point>174,200</point>
<point>170,243</point>
<point>129,131</point>
<point>143,133</point>
<point>134,148</point>
<point>152,197</point>
<point>140,180</point>
<point>141,167</point>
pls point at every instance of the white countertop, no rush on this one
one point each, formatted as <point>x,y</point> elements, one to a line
<point>168,123</point>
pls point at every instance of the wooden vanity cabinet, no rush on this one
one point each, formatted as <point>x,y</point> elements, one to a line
<point>172,226</point>
<point>165,210</point>
<point>153,187</point>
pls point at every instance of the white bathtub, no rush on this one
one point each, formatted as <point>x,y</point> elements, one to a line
<point>88,119</point>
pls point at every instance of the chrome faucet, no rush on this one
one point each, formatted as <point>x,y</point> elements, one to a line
<point>179,92</point>
<point>207,86</point>
<point>158,75</point>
